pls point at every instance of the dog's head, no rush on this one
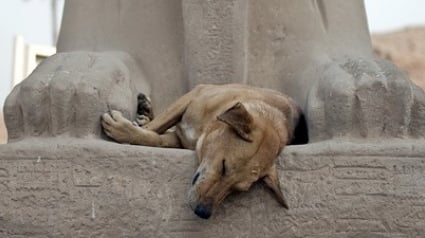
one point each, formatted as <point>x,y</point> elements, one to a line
<point>236,150</point>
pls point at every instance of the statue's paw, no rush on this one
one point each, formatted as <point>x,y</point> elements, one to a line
<point>67,93</point>
<point>365,98</point>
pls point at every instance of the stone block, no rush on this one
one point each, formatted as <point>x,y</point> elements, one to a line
<point>93,188</point>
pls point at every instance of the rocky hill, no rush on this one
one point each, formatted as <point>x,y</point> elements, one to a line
<point>406,49</point>
<point>3,136</point>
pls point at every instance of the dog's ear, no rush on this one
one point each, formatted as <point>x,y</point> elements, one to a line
<point>239,119</point>
<point>272,181</point>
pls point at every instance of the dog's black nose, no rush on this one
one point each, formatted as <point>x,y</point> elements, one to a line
<point>203,211</point>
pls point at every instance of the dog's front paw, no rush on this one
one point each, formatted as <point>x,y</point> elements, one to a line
<point>118,127</point>
<point>141,120</point>
<point>144,107</point>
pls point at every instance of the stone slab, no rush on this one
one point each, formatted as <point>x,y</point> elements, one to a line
<point>92,188</point>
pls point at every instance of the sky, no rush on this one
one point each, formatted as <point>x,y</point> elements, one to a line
<point>32,19</point>
<point>389,15</point>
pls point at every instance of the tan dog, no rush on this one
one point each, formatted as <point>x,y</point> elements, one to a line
<point>237,131</point>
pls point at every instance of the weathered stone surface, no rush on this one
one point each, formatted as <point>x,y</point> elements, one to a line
<point>363,98</point>
<point>83,188</point>
<point>68,92</point>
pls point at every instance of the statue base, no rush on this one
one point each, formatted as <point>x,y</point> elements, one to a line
<point>66,187</point>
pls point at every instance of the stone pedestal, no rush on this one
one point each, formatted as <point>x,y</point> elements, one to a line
<point>93,188</point>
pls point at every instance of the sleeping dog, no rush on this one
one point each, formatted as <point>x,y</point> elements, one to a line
<point>237,132</point>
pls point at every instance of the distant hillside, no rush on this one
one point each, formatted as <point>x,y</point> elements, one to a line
<point>406,49</point>
<point>3,133</point>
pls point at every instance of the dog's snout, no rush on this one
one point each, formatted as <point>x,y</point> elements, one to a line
<point>195,178</point>
<point>203,211</point>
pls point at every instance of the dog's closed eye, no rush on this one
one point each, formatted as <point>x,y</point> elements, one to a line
<point>195,178</point>
<point>223,169</point>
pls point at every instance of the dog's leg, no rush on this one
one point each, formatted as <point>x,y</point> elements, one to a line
<point>153,133</point>
<point>144,110</point>
<point>173,113</point>
<point>122,130</point>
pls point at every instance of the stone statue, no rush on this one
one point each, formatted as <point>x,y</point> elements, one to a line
<point>316,51</point>
<point>166,48</point>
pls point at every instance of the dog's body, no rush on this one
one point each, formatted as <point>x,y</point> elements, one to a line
<point>237,131</point>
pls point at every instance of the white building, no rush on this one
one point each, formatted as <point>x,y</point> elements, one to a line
<point>34,21</point>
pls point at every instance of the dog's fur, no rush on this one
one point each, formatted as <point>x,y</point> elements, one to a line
<point>237,131</point>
